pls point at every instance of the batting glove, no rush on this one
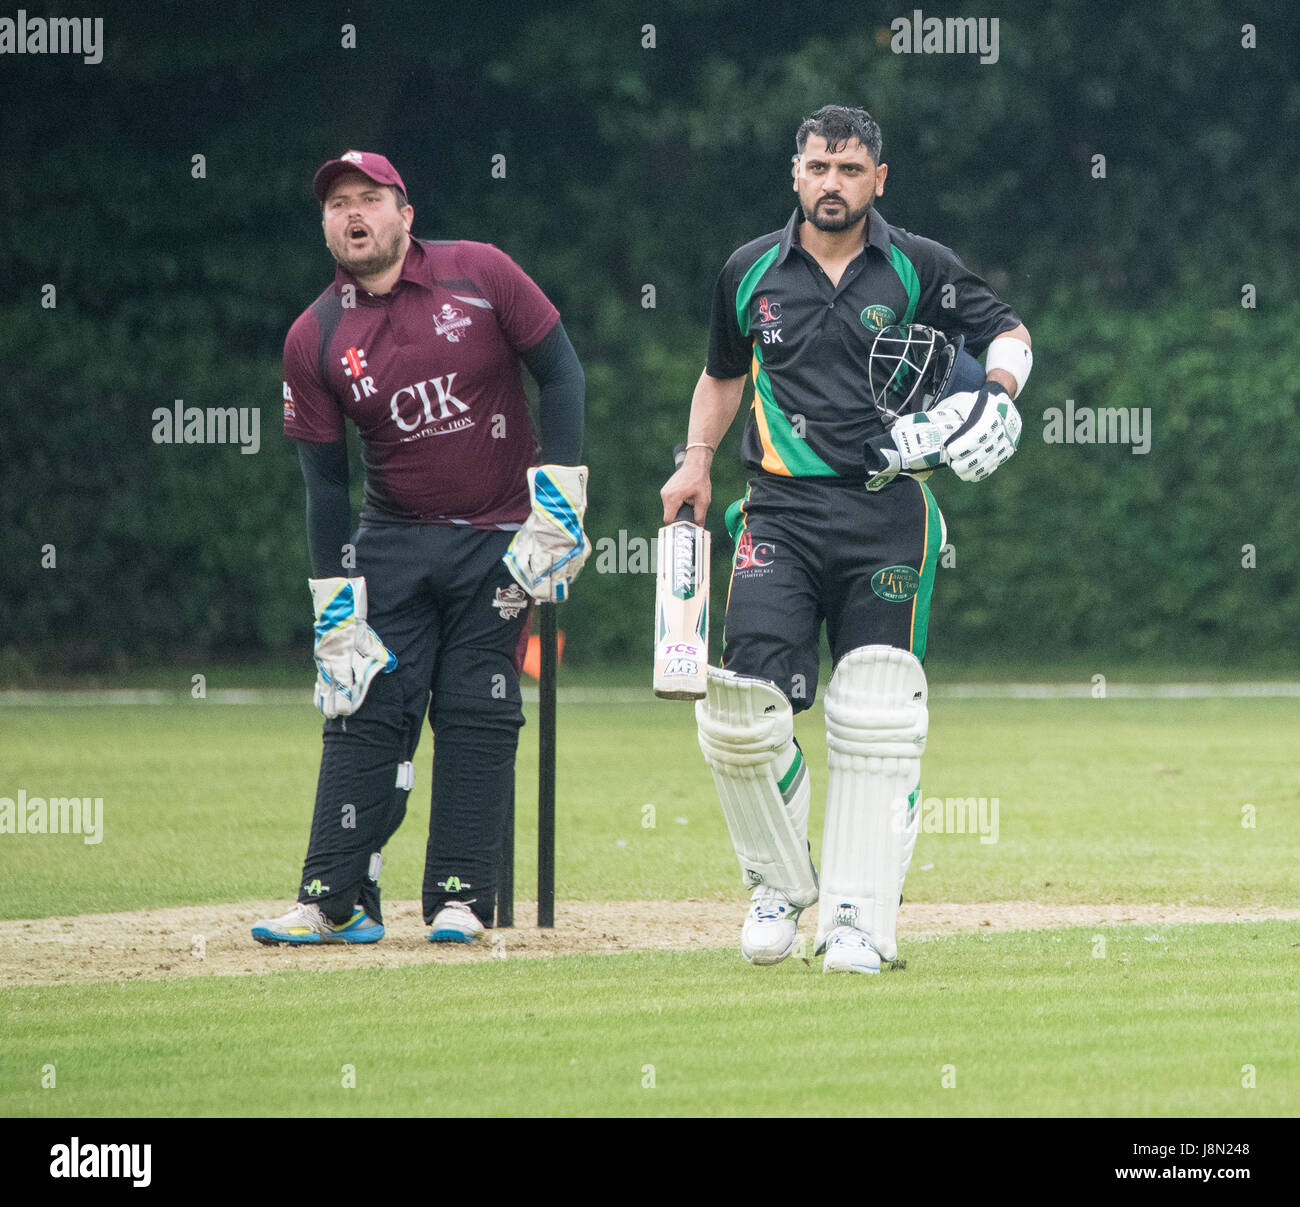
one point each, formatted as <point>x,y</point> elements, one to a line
<point>348,652</point>
<point>913,443</point>
<point>549,551</point>
<point>989,435</point>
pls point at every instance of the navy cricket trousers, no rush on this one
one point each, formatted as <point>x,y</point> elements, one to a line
<point>442,600</point>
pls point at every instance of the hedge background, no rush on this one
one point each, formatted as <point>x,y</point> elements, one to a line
<point>628,166</point>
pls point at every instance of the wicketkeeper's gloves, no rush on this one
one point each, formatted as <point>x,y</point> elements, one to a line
<point>348,652</point>
<point>549,551</point>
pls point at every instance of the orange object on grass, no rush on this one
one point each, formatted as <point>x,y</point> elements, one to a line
<point>533,654</point>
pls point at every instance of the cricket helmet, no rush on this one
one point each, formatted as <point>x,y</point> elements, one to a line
<point>909,367</point>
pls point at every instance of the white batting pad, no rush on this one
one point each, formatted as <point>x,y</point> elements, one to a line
<point>876,721</point>
<point>746,730</point>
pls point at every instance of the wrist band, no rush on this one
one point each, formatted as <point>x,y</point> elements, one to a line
<point>701,444</point>
<point>1011,356</point>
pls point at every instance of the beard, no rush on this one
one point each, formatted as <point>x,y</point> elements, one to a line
<point>386,253</point>
<point>847,218</point>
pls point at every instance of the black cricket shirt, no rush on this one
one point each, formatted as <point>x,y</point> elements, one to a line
<point>807,342</point>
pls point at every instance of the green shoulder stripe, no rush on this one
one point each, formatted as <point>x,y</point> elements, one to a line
<point>906,274</point>
<point>749,282</point>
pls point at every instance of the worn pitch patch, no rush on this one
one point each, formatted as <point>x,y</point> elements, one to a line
<point>214,940</point>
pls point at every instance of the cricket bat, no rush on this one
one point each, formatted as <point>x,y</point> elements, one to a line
<point>682,605</point>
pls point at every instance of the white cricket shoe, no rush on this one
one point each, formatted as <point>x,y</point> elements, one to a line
<point>849,950</point>
<point>305,923</point>
<point>455,923</point>
<point>771,927</point>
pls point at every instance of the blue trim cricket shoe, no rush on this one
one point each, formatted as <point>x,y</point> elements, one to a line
<point>455,923</point>
<point>850,950</point>
<point>306,924</point>
<point>771,927</point>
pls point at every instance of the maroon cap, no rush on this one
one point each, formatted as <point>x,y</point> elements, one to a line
<point>366,162</point>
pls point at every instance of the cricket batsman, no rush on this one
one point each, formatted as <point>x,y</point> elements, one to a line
<point>859,337</point>
<point>424,609</point>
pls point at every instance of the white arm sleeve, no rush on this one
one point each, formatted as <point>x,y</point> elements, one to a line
<point>1012,356</point>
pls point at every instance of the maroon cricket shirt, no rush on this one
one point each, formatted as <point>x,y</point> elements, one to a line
<point>429,373</point>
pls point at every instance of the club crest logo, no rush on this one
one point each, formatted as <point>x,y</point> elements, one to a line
<point>751,555</point>
<point>510,601</point>
<point>768,312</point>
<point>451,322</point>
<point>896,584</point>
<point>875,318</point>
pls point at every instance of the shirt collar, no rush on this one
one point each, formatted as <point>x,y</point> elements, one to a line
<point>414,271</point>
<point>877,234</point>
<point>789,236</point>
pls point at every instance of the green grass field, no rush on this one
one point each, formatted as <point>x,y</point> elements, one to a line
<point>1020,1023</point>
<point>1098,801</point>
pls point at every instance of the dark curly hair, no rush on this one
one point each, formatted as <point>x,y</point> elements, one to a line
<point>838,124</point>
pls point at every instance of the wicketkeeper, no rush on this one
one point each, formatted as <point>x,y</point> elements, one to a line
<point>465,522</point>
<point>853,331</point>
